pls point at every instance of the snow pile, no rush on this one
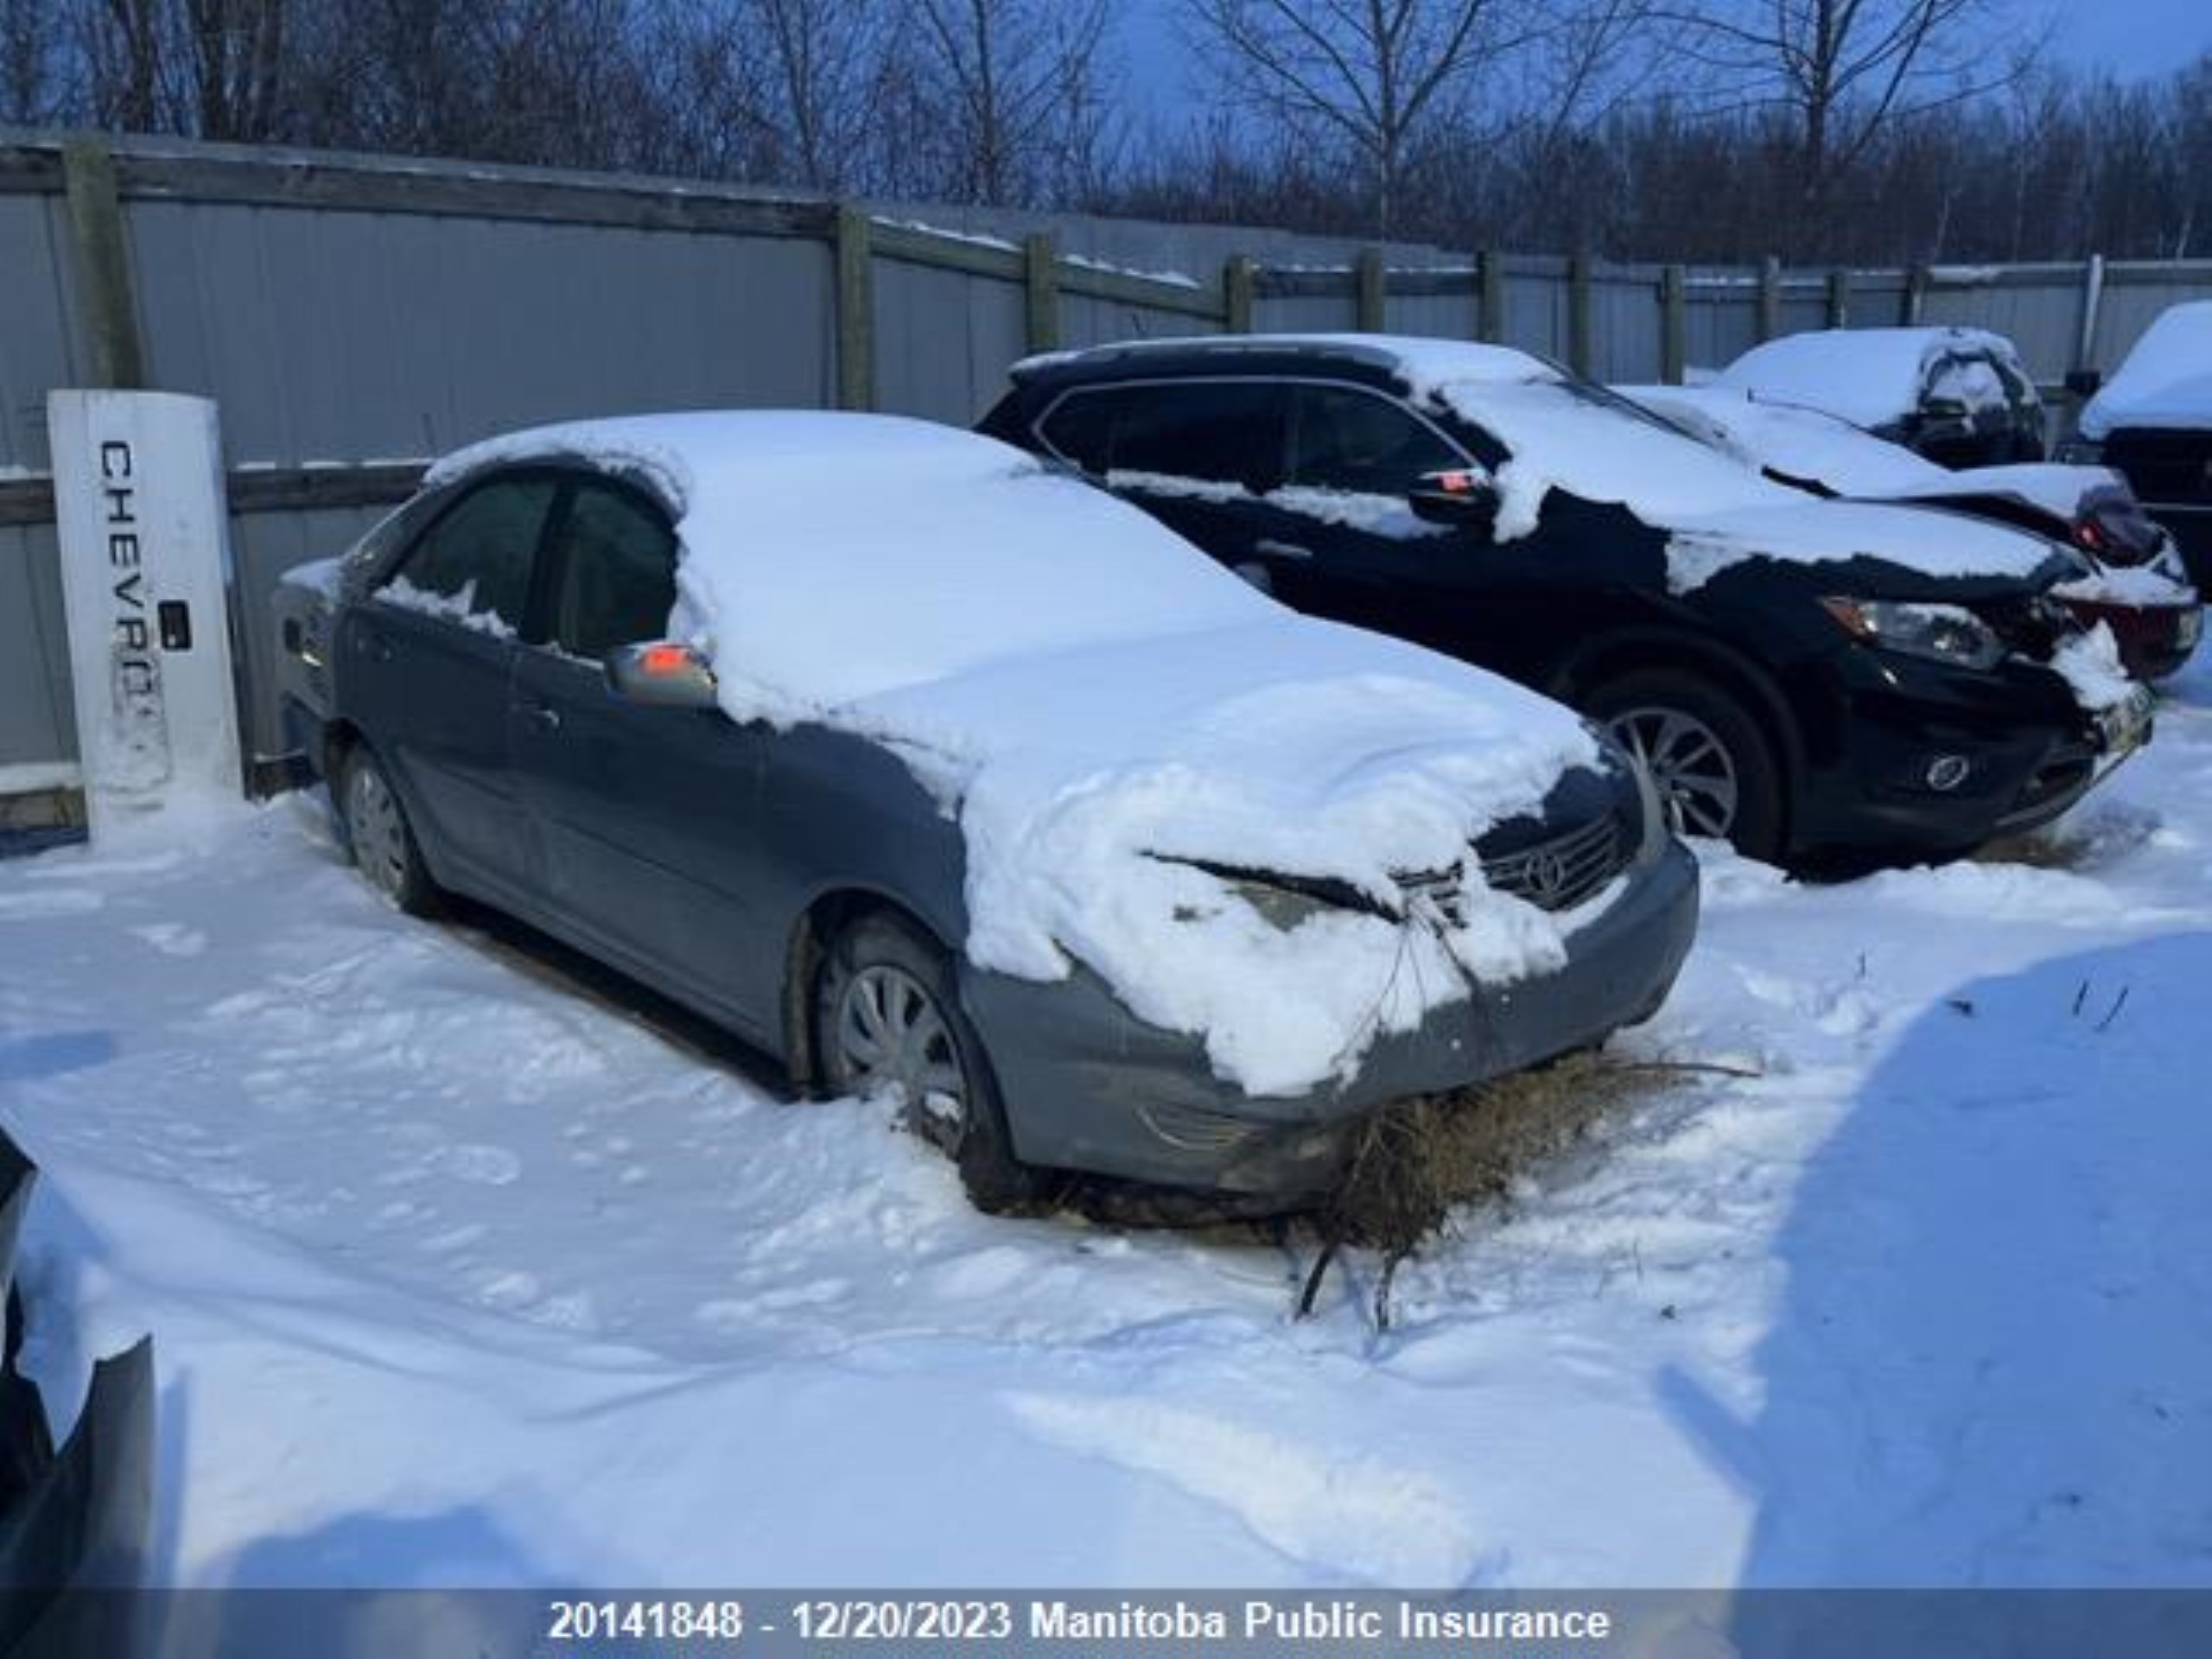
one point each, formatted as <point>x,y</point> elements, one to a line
<point>1099,703</point>
<point>1873,376</point>
<point>2089,662</point>
<point>2166,380</point>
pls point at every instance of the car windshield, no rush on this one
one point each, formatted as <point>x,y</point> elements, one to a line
<point>1591,443</point>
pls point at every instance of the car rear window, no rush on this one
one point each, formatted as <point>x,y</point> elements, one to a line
<point>1224,432</point>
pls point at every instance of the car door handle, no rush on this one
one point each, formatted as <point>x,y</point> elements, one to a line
<point>1274,549</point>
<point>545,718</point>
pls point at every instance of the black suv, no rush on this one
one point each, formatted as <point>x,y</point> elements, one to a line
<point>1814,681</point>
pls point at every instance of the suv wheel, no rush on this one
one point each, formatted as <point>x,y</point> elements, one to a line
<point>887,1020</point>
<point>378,836</point>
<point>1715,769</point>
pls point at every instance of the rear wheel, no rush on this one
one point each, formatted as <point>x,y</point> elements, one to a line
<point>378,836</point>
<point>1715,771</point>
<point>888,1021</point>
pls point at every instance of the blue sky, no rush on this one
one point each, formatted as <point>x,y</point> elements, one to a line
<point>2130,37</point>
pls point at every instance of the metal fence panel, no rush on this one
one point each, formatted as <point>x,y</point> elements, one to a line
<point>38,720</point>
<point>341,336</point>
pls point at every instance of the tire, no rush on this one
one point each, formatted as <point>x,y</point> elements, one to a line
<point>882,978</point>
<point>1715,769</point>
<point>379,837</point>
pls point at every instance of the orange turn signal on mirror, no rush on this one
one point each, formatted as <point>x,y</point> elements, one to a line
<point>667,659</point>
<point>1459,483</point>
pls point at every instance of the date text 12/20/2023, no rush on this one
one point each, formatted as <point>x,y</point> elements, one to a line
<point>872,1619</point>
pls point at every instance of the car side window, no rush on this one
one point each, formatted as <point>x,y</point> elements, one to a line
<point>1213,431</point>
<point>618,573</point>
<point>1354,441</point>
<point>472,565</point>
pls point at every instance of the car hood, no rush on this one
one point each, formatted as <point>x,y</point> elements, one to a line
<point>1879,551</point>
<point>1093,786</point>
<point>2050,487</point>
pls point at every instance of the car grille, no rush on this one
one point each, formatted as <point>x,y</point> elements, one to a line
<point>1564,870</point>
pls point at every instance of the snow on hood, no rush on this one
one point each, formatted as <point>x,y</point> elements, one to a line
<point>1097,700</point>
<point>1791,439</point>
<point>1805,443</point>
<point>1869,376</point>
<point>2166,380</point>
<point>1945,545</point>
<point>1717,510</point>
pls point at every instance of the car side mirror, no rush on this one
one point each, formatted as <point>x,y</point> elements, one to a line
<point>662,673</point>
<point>1460,497</point>
<point>2084,384</point>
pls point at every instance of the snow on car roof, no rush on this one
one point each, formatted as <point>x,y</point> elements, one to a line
<point>851,554</point>
<point>1097,700</point>
<point>1431,360</point>
<point>1867,376</point>
<point>2166,380</point>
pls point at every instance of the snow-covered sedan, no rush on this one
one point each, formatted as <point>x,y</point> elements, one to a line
<point>1961,397</point>
<point>2136,584</point>
<point>932,771</point>
<point>1815,681</point>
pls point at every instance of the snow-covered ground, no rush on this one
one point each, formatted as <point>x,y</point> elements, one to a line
<point>464,1270</point>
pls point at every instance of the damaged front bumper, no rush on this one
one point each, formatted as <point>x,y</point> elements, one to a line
<point>1089,1086</point>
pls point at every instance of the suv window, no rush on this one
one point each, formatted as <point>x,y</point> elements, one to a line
<point>618,573</point>
<point>473,563</point>
<point>1346,440</point>
<point>1218,431</point>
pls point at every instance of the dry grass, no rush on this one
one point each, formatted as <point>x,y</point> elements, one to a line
<point>1419,1161</point>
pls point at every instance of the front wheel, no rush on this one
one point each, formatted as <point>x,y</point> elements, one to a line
<point>378,836</point>
<point>1715,771</point>
<point>887,1020</point>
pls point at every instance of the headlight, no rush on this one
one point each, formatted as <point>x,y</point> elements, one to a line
<point>1942,633</point>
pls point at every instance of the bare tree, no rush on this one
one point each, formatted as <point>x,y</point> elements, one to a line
<point>1016,94</point>
<point>1373,76</point>
<point>33,64</point>
<point>1843,71</point>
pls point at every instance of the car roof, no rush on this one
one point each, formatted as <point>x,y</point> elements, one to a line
<point>1406,359</point>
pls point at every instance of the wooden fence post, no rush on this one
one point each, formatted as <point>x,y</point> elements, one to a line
<point>1769,297</point>
<point>103,263</point>
<point>1041,291</point>
<point>1490,308</point>
<point>1578,313</point>
<point>1839,298</point>
<point>855,311</point>
<point>1673,324</point>
<point>1915,296</point>
<point>1374,292</point>
<point>1236,285</point>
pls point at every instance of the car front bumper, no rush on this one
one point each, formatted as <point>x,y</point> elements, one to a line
<point>1884,774</point>
<point>1089,1086</point>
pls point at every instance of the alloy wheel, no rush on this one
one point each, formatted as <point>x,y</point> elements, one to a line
<point>1693,771</point>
